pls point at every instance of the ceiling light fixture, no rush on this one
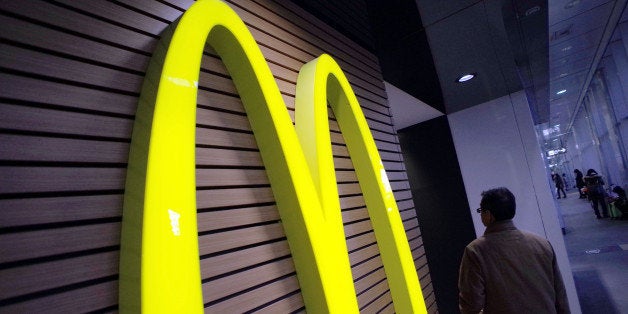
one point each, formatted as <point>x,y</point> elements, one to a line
<point>562,91</point>
<point>465,77</point>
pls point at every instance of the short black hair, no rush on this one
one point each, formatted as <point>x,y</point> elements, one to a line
<point>500,202</point>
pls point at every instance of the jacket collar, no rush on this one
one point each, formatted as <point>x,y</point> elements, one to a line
<point>499,226</point>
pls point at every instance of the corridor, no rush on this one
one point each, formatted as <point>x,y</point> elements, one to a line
<point>598,253</point>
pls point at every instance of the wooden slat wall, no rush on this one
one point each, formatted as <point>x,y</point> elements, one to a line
<point>350,17</point>
<point>70,76</point>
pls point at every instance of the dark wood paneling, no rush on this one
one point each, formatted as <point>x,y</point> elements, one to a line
<point>32,211</point>
<point>28,245</point>
<point>230,262</point>
<point>89,297</point>
<point>71,21</point>
<point>48,275</point>
<point>63,94</point>
<point>235,283</point>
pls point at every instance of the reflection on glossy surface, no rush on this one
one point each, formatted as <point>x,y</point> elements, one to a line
<point>174,222</point>
<point>182,82</point>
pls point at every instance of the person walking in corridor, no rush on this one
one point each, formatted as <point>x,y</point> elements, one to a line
<point>596,193</point>
<point>560,184</point>
<point>508,270</point>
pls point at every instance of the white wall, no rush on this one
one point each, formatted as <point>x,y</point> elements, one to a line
<point>497,146</point>
<point>406,109</point>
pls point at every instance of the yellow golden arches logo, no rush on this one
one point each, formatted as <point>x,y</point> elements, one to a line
<point>159,266</point>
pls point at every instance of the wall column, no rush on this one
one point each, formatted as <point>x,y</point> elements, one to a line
<point>497,146</point>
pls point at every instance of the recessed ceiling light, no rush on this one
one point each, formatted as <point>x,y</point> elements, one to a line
<point>465,77</point>
<point>562,91</point>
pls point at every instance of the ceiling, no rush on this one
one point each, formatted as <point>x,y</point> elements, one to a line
<point>506,44</point>
<point>579,31</point>
<point>540,46</point>
<point>503,42</point>
<point>500,41</point>
<point>544,47</point>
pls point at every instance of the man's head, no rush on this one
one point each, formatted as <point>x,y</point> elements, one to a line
<point>498,203</point>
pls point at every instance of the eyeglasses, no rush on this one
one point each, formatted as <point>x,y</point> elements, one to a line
<point>480,210</point>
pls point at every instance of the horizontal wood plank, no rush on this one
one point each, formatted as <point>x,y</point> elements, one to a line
<point>80,300</point>
<point>352,229</point>
<point>67,69</point>
<point>18,30</point>
<point>161,10</point>
<point>229,197</point>
<point>373,283</point>
<point>44,276</point>
<point>351,188</point>
<point>356,214</point>
<point>226,139</point>
<point>111,11</point>
<point>52,149</point>
<point>228,218</point>
<point>59,94</point>
<point>59,179</point>
<point>361,241</point>
<point>227,263</point>
<point>230,177</point>
<point>254,298</point>
<point>225,286</point>
<point>63,122</point>
<point>366,267</point>
<point>49,242</point>
<point>76,22</point>
<point>380,298</point>
<point>49,210</point>
<point>290,304</point>
<point>216,242</point>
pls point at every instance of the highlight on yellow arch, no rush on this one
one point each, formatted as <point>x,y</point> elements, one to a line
<point>159,263</point>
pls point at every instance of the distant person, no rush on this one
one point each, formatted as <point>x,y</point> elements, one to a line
<point>508,270</point>
<point>580,183</point>
<point>596,193</point>
<point>620,203</point>
<point>560,184</point>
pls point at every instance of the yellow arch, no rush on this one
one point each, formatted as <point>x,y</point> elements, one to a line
<point>320,81</point>
<point>159,267</point>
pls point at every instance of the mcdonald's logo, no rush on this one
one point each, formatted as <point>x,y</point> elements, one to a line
<point>159,262</point>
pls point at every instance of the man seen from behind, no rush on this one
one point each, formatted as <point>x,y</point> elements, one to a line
<point>508,270</point>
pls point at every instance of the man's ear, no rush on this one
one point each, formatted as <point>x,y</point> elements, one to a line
<point>491,217</point>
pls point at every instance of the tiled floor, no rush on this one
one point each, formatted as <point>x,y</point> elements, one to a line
<point>598,253</point>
